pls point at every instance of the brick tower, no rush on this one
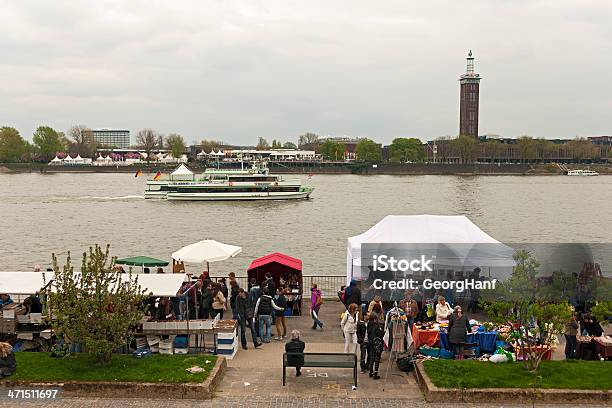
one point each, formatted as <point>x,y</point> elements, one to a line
<point>468,107</point>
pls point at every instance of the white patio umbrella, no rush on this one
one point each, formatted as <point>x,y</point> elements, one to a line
<point>207,251</point>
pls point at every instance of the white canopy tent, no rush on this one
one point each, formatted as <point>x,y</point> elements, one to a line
<point>207,251</point>
<point>431,229</point>
<point>79,159</point>
<point>24,283</point>
<point>182,172</point>
<point>27,283</point>
<point>56,160</point>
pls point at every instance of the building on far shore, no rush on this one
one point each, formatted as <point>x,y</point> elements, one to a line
<point>118,138</point>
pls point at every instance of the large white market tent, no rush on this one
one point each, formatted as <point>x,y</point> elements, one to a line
<point>24,283</point>
<point>207,250</point>
<point>442,230</point>
<point>27,283</point>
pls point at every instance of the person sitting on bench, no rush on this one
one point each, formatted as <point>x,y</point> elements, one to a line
<point>8,366</point>
<point>295,346</point>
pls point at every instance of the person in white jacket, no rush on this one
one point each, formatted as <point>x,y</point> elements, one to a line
<point>443,311</point>
<point>349,328</point>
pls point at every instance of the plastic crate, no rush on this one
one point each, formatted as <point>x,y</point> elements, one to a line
<point>432,352</point>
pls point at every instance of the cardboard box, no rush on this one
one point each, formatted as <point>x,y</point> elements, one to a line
<point>23,318</point>
<point>36,317</point>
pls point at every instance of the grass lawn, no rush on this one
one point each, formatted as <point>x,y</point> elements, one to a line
<point>123,367</point>
<point>577,374</point>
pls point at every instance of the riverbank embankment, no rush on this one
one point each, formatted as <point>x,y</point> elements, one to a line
<point>451,169</point>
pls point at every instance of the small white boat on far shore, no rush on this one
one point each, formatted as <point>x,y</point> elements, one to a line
<point>582,173</point>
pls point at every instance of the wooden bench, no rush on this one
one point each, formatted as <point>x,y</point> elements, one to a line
<point>321,360</point>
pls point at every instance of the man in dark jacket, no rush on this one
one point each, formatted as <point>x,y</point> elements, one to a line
<point>244,308</point>
<point>263,312</point>
<point>352,294</point>
<point>295,346</point>
<point>270,285</point>
<point>205,301</point>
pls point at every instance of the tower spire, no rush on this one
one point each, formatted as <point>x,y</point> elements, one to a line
<point>470,63</point>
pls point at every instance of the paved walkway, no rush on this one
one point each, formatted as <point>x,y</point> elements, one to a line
<point>259,371</point>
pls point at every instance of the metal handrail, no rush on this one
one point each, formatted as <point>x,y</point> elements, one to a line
<point>329,285</point>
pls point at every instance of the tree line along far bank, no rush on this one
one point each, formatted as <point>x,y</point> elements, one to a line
<point>48,142</point>
<point>78,140</point>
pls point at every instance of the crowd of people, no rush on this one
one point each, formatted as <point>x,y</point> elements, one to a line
<point>256,307</point>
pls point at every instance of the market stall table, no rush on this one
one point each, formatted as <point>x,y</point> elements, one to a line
<point>603,346</point>
<point>428,337</point>
<point>486,341</point>
<point>584,348</point>
<point>547,355</point>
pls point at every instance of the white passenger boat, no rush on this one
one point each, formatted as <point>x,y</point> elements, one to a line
<point>228,184</point>
<point>582,173</point>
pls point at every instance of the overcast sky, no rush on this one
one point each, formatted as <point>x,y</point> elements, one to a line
<point>234,71</point>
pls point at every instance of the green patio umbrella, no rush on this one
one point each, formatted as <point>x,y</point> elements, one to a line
<point>143,261</point>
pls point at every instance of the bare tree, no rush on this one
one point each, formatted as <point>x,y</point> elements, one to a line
<point>210,145</point>
<point>262,144</point>
<point>309,140</point>
<point>147,139</point>
<point>82,141</point>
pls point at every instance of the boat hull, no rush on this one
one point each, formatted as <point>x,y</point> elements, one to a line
<point>246,196</point>
<point>156,195</point>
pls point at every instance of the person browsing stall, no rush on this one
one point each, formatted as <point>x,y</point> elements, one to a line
<point>443,310</point>
<point>263,312</point>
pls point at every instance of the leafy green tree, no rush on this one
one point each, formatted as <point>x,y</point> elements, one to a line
<point>12,145</point>
<point>535,320</point>
<point>494,149</point>
<point>581,149</point>
<point>368,151</point>
<point>96,307</point>
<point>465,147</point>
<point>331,150</point>
<point>404,149</point>
<point>528,148</point>
<point>289,145</point>
<point>48,142</point>
<point>176,144</point>
<point>602,310</point>
<point>276,145</point>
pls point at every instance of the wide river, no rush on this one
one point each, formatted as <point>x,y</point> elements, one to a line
<point>42,214</point>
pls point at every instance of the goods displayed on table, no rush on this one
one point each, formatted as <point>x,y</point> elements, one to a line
<point>603,346</point>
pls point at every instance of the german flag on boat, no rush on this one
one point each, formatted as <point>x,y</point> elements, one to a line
<point>138,173</point>
<point>157,176</point>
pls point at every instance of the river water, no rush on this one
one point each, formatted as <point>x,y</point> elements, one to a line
<point>42,214</point>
